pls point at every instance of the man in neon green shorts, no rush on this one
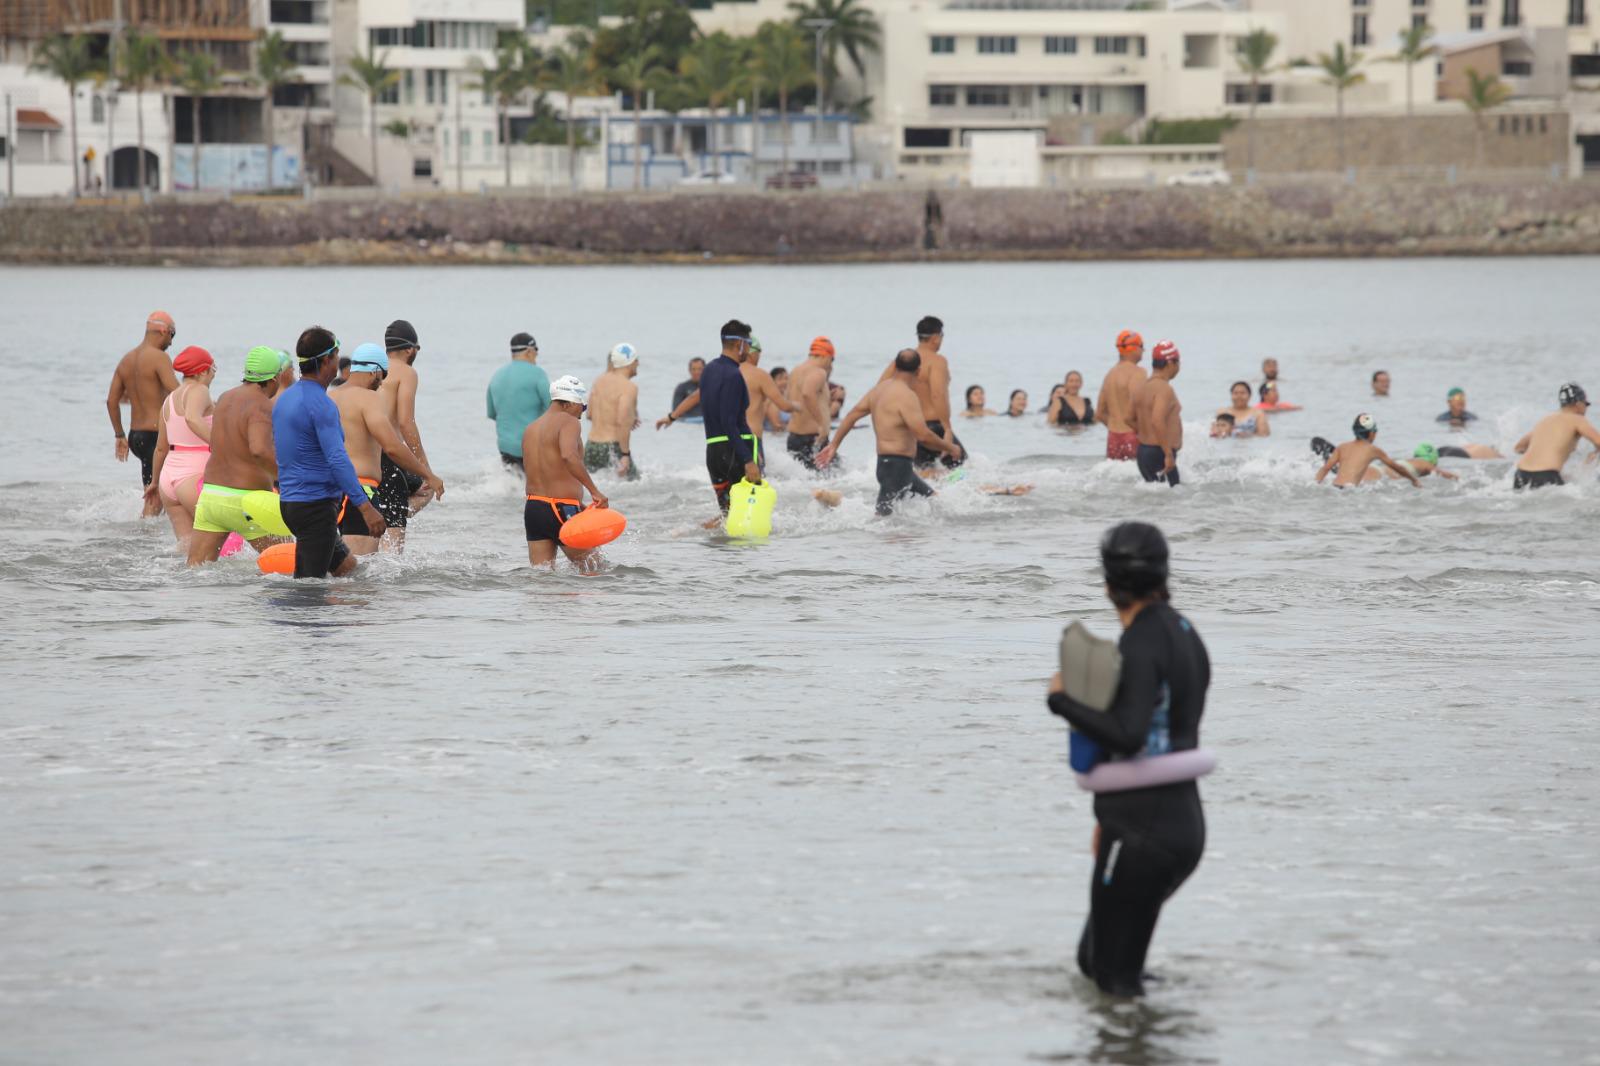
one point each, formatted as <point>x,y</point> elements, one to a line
<point>237,496</point>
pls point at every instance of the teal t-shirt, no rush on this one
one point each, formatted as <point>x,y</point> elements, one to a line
<point>518,394</point>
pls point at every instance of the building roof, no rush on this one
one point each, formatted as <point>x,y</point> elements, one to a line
<point>1451,43</point>
<point>31,118</point>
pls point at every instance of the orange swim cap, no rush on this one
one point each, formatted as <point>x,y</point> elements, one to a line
<point>1128,340</point>
<point>823,347</point>
<point>159,318</point>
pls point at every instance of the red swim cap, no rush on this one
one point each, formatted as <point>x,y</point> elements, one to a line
<point>1128,340</point>
<point>822,346</point>
<point>1163,353</point>
<point>193,360</point>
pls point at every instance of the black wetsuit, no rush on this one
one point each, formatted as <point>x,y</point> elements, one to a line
<point>724,399</point>
<point>1068,417</point>
<point>1150,838</point>
<point>681,393</point>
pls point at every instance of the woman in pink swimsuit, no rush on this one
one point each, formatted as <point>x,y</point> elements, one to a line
<point>183,443</point>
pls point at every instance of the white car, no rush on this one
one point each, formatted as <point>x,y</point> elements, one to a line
<point>723,178</point>
<point>1204,176</point>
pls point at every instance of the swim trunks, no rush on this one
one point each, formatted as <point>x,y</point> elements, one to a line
<point>543,517</point>
<point>251,513</point>
<point>142,442</point>
<point>1450,451</point>
<point>1151,460</point>
<point>896,480</point>
<point>318,549</point>
<point>803,447</point>
<point>927,456</point>
<point>1122,445</point>
<point>351,521</point>
<point>1536,479</point>
<point>512,462</point>
<point>395,489</point>
<point>722,463</point>
<point>605,455</point>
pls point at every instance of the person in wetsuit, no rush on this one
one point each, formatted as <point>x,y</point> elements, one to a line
<point>724,403</point>
<point>1147,840</point>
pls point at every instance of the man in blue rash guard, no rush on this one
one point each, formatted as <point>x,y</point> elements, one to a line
<point>724,399</point>
<point>316,480</point>
<point>1147,840</point>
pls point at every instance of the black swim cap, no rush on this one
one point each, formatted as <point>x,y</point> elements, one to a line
<point>400,334</point>
<point>521,342</point>
<point>1134,557</point>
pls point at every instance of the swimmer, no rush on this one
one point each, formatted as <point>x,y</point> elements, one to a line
<point>763,394</point>
<point>1056,392</point>
<point>899,422</point>
<point>1247,421</point>
<point>1270,401</point>
<point>613,412</point>
<point>778,419</point>
<point>1423,462</point>
<point>143,379</point>
<point>697,366</point>
<point>519,392</point>
<point>552,452</point>
<point>808,393</point>
<point>1269,370</point>
<point>1116,397</point>
<point>1071,410</point>
<point>1547,447</point>
<point>1017,406</point>
<point>285,374</point>
<point>315,476</point>
<point>1353,457</point>
<point>1156,417</point>
<point>933,390</point>
<point>975,403</point>
<point>1222,425</point>
<point>1147,840</point>
<point>242,466</point>
<point>1469,451</point>
<point>369,436</point>
<point>183,443</point>
<point>401,495</point>
<point>724,404</point>
<point>1456,414</point>
<point>344,373</point>
<point>1380,383</point>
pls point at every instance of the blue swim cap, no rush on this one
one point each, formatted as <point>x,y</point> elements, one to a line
<point>369,357</point>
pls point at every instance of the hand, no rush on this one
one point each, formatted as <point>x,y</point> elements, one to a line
<point>752,473</point>
<point>598,501</point>
<point>150,491</point>
<point>375,523</point>
<point>957,451</point>
<point>825,456</point>
<point>637,422</point>
<point>663,423</point>
<point>122,449</point>
<point>624,465</point>
<point>436,484</point>
<point>1055,684</point>
<point>1170,465</point>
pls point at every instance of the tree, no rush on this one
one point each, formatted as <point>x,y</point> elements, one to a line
<point>713,73</point>
<point>198,74</point>
<point>512,72</point>
<point>274,68</point>
<point>638,71</point>
<point>855,29</point>
<point>1255,59</point>
<point>666,25</point>
<point>68,59</point>
<point>1485,92</point>
<point>1414,48</point>
<point>567,70</point>
<point>784,61</point>
<point>1339,70</point>
<point>143,61</point>
<point>371,74</point>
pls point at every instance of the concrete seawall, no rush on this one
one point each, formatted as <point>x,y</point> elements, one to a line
<point>1300,220</point>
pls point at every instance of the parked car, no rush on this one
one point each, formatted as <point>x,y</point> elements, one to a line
<point>794,179</point>
<point>710,178</point>
<point>1203,176</point>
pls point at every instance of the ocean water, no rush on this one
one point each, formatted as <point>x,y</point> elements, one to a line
<point>801,801</point>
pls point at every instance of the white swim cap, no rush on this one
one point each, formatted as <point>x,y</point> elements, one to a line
<point>570,389</point>
<point>623,355</point>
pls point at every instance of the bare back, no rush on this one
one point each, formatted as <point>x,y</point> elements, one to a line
<point>613,406</point>
<point>808,391</point>
<point>1157,414</point>
<point>357,407</point>
<point>1116,392</point>
<point>895,408</point>
<point>762,389</point>
<point>549,444</point>
<point>240,411</point>
<point>1553,439</point>
<point>146,378</point>
<point>932,376</point>
<point>1354,457</point>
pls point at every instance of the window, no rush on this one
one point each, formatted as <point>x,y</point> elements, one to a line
<point>1111,46</point>
<point>391,95</point>
<point>1358,30</point>
<point>97,108</point>
<point>827,133</point>
<point>833,166</point>
<point>1475,22</point>
<point>1511,13</point>
<point>1476,3</point>
<point>427,83</point>
<point>942,46</point>
<point>1576,15</point>
<point>1419,20</point>
<point>1544,124</point>
<point>1240,94</point>
<point>488,146</point>
<point>1060,46</point>
<point>422,168</point>
<point>410,83</point>
<point>1516,68</point>
<point>988,96</point>
<point>927,137</point>
<point>941,96</point>
<point>997,45</point>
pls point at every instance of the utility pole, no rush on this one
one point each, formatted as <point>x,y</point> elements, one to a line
<point>820,27</point>
<point>11,152</point>
<point>460,148</point>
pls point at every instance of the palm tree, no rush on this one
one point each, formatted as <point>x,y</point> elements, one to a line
<point>371,74</point>
<point>1485,92</point>
<point>143,61</point>
<point>1414,48</point>
<point>711,69</point>
<point>1339,70</point>
<point>855,29</point>
<point>1255,59</point>
<point>512,72</point>
<point>67,58</point>
<point>568,70</point>
<point>198,74</point>
<point>275,67</point>
<point>637,72</point>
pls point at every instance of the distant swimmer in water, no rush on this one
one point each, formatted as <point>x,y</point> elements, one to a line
<point>552,453</point>
<point>1270,401</point>
<point>808,394</point>
<point>402,494</point>
<point>1269,370</point>
<point>184,442</point>
<point>1456,416</point>
<point>143,378</point>
<point>1547,447</point>
<point>613,412</point>
<point>1423,462</point>
<point>976,398</point>
<point>1147,840</point>
<point>933,390</point>
<point>1380,383</point>
<point>836,395</point>
<point>1116,397</point>
<point>1056,391</point>
<point>369,437</point>
<point>1222,425</point>
<point>242,466</point>
<point>778,419</point>
<point>1071,410</point>
<point>1157,417</point>
<point>1017,406</point>
<point>1469,451</point>
<point>899,424</point>
<point>681,392</point>
<point>1353,457</point>
<point>1247,421</point>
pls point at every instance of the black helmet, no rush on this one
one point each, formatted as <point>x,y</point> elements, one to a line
<point>1134,557</point>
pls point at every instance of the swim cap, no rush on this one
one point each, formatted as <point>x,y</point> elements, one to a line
<point>822,347</point>
<point>1453,393</point>
<point>570,389</point>
<point>755,344</point>
<point>1364,426</point>
<point>160,318</point>
<point>623,355</point>
<point>1128,340</point>
<point>367,358</point>
<point>400,334</point>
<point>263,363</point>
<point>1133,556</point>
<point>1266,387</point>
<point>1571,393</point>
<point>1426,452</point>
<point>1163,353</point>
<point>521,342</point>
<point>193,360</point>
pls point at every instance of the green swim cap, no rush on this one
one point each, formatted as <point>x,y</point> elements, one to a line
<point>755,345</point>
<point>1426,452</point>
<point>262,363</point>
<point>1453,393</point>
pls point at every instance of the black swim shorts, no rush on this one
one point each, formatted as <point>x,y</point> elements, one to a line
<point>393,498</point>
<point>927,456</point>
<point>542,519</point>
<point>318,550</point>
<point>896,480</point>
<point>142,442</point>
<point>725,469</point>
<point>1151,460</point>
<point>1536,479</point>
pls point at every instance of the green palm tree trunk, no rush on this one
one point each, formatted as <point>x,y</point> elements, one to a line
<point>505,139</point>
<point>372,127</point>
<point>138,121</point>
<point>267,108</point>
<point>638,139</point>
<point>72,90</point>
<point>1250,126</point>
<point>783,120</point>
<point>194,151</point>
<point>572,148</point>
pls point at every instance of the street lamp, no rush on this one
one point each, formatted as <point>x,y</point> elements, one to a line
<point>820,27</point>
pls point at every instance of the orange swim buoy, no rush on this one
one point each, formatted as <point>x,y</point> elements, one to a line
<point>277,559</point>
<point>592,527</point>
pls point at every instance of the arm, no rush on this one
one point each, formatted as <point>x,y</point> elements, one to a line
<point>1159,408</point>
<point>1333,460</point>
<point>1100,408</point>
<point>820,409</point>
<point>383,431</point>
<point>1442,472</point>
<point>160,459</point>
<point>939,389</point>
<point>488,396</point>
<point>690,402</point>
<point>1383,457</point>
<point>258,435</point>
<point>1522,445</point>
<point>627,415</point>
<point>1054,412</point>
<point>167,376</point>
<point>1125,725</point>
<point>769,389</point>
<point>572,456</point>
<point>743,448</point>
<point>1588,432</point>
<point>405,416</point>
<point>1263,427</point>
<point>194,413</point>
<point>912,412</point>
<point>115,398</point>
<point>857,413</point>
